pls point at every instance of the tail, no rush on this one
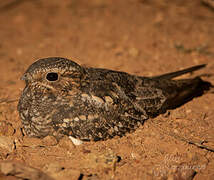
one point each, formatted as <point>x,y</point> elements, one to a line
<point>179,92</point>
<point>179,73</point>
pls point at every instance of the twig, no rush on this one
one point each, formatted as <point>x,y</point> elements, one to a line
<point>195,143</point>
<point>6,100</point>
<point>11,5</point>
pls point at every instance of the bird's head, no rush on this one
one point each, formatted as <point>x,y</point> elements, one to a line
<point>54,74</point>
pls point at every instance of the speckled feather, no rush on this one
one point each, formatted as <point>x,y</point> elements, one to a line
<point>96,104</point>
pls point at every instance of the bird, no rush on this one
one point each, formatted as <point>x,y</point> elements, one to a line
<point>62,98</point>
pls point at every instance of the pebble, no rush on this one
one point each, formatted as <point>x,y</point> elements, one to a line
<point>76,142</point>
<point>22,171</point>
<point>66,143</point>
<point>7,143</point>
<point>6,129</point>
<point>133,52</point>
<point>49,141</point>
<point>187,174</point>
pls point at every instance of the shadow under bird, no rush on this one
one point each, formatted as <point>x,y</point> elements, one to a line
<point>63,98</point>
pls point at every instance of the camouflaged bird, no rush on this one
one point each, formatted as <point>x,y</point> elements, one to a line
<point>64,98</point>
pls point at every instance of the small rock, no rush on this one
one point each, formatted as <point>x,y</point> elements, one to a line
<point>188,111</point>
<point>49,141</point>
<point>19,51</point>
<point>133,52</point>
<point>176,131</point>
<point>75,141</point>
<point>66,143</point>
<point>22,171</point>
<point>178,114</point>
<point>188,174</point>
<point>6,129</point>
<point>104,160</point>
<point>7,143</point>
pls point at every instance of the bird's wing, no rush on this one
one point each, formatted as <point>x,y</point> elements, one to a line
<point>141,93</point>
<point>148,96</point>
<point>101,111</point>
<point>114,96</point>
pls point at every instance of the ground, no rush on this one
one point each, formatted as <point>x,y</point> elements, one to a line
<point>137,36</point>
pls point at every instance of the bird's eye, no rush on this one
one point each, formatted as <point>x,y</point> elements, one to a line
<point>52,76</point>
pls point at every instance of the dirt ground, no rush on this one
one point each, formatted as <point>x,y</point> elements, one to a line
<point>143,37</point>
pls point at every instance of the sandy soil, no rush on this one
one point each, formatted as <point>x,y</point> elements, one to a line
<point>143,37</point>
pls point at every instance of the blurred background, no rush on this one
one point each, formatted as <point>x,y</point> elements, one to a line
<point>143,37</point>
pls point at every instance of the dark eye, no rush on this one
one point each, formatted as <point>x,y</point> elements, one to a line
<point>52,76</point>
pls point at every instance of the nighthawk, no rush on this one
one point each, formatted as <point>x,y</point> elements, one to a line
<point>63,98</point>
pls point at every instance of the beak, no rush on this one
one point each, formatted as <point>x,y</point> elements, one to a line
<point>24,77</point>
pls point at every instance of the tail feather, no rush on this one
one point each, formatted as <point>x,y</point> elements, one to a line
<point>184,91</point>
<point>179,73</point>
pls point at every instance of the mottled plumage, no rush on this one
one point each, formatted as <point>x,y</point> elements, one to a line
<point>64,98</point>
